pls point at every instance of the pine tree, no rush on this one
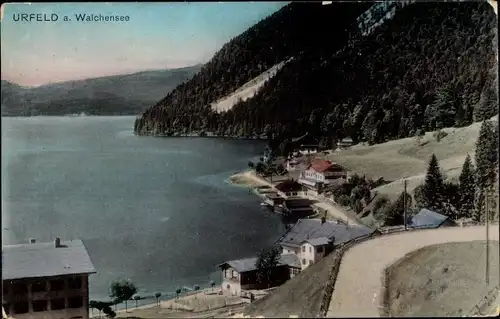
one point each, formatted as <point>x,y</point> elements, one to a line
<point>486,168</point>
<point>487,106</point>
<point>433,188</point>
<point>466,189</point>
<point>395,215</point>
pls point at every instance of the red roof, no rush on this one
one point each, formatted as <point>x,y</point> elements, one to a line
<point>321,166</point>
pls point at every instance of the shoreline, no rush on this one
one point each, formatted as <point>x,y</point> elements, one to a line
<point>247,178</point>
<point>204,303</point>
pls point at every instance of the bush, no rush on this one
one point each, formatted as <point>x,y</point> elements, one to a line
<point>439,134</point>
<point>380,202</point>
<point>344,200</point>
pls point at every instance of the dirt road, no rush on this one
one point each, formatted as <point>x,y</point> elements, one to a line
<point>358,283</point>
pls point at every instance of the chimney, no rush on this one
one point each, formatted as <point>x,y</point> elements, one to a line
<point>323,220</point>
<point>32,240</point>
<point>57,242</point>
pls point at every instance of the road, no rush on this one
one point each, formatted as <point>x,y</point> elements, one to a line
<point>358,283</point>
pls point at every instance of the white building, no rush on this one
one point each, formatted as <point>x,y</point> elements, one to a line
<point>312,239</point>
<point>319,173</point>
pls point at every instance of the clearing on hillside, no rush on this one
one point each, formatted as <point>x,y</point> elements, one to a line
<point>442,280</point>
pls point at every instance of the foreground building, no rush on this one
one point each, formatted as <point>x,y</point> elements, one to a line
<point>312,239</point>
<point>242,274</point>
<point>46,280</point>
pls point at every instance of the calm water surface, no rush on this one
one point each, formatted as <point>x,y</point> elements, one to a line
<point>156,210</point>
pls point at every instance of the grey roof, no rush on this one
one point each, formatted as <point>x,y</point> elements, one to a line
<point>427,218</point>
<point>307,229</point>
<point>320,241</point>
<point>44,260</point>
<point>248,264</point>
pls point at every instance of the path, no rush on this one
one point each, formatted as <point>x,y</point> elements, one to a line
<point>334,211</point>
<point>358,284</point>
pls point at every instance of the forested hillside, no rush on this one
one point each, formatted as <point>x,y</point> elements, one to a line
<point>431,66</point>
<point>290,32</point>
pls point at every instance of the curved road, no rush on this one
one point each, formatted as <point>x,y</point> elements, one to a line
<point>358,282</point>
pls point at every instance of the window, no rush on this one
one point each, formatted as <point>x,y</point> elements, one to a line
<point>57,285</point>
<point>57,304</point>
<point>21,307</point>
<point>303,261</point>
<point>39,305</point>
<point>310,249</point>
<point>75,302</point>
<point>39,286</point>
<point>20,288</point>
<point>319,249</point>
<point>303,249</point>
<point>75,283</point>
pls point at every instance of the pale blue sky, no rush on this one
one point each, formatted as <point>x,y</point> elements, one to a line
<point>158,35</point>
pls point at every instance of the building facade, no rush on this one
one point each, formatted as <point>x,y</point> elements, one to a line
<point>241,275</point>
<point>46,280</point>
<point>320,173</point>
<point>313,239</point>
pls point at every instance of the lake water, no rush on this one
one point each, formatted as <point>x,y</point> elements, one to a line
<point>156,210</point>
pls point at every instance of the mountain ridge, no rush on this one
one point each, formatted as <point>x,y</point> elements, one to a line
<point>124,94</point>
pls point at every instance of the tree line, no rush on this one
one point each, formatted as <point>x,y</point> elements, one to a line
<point>429,67</point>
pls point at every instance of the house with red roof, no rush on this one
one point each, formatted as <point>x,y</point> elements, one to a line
<point>320,173</point>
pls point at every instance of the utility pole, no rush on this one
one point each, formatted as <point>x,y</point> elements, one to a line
<point>404,202</point>
<point>487,268</point>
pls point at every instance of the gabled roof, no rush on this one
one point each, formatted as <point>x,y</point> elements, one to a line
<point>289,185</point>
<point>320,165</point>
<point>427,218</point>
<point>320,241</point>
<point>45,260</point>
<point>248,264</point>
<point>306,229</point>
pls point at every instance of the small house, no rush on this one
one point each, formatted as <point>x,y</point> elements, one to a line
<point>295,207</point>
<point>291,165</point>
<point>288,188</point>
<point>242,274</point>
<point>312,239</point>
<point>429,219</point>
<point>345,143</point>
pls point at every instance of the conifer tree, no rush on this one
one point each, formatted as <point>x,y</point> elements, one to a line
<point>466,189</point>
<point>487,106</point>
<point>486,168</point>
<point>433,188</point>
<point>395,215</point>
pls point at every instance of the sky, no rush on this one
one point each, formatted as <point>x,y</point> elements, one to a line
<point>157,36</point>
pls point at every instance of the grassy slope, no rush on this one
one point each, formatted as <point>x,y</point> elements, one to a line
<point>446,280</point>
<point>406,157</point>
<point>300,296</point>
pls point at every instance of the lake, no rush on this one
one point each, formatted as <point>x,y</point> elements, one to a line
<point>155,210</point>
